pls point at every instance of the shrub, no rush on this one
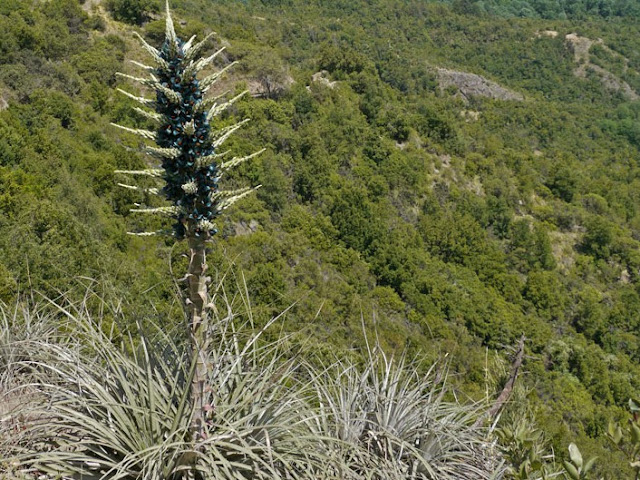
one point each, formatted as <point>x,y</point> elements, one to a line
<point>131,11</point>
<point>114,405</point>
<point>395,421</point>
<point>121,409</point>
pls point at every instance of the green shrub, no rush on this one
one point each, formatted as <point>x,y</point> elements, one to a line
<point>131,11</point>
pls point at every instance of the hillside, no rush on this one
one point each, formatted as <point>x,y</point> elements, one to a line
<point>451,178</point>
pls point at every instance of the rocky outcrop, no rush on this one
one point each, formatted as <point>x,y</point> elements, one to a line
<point>472,85</point>
<point>243,228</point>
<point>89,5</point>
<point>4,98</point>
<point>270,86</point>
<point>580,46</point>
<point>609,80</point>
<point>546,33</point>
<point>322,77</point>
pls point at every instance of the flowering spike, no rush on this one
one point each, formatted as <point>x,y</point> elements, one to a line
<point>185,144</point>
<point>187,149</point>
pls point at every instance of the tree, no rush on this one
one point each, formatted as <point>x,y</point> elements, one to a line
<point>187,147</point>
<point>598,237</point>
<point>271,73</point>
<point>130,11</point>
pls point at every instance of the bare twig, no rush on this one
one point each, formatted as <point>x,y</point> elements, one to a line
<point>508,387</point>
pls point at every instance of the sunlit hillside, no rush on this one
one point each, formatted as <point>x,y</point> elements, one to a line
<point>444,177</point>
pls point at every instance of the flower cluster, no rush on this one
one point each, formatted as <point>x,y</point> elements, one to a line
<point>185,142</point>
<point>189,183</point>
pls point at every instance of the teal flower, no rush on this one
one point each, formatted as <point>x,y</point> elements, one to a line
<point>187,147</point>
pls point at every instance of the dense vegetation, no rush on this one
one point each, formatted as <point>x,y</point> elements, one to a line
<point>556,9</point>
<point>450,224</point>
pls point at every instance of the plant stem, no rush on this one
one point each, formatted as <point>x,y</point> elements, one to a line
<point>508,387</point>
<point>197,300</point>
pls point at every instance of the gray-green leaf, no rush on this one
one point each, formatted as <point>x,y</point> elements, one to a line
<point>571,470</point>
<point>576,456</point>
